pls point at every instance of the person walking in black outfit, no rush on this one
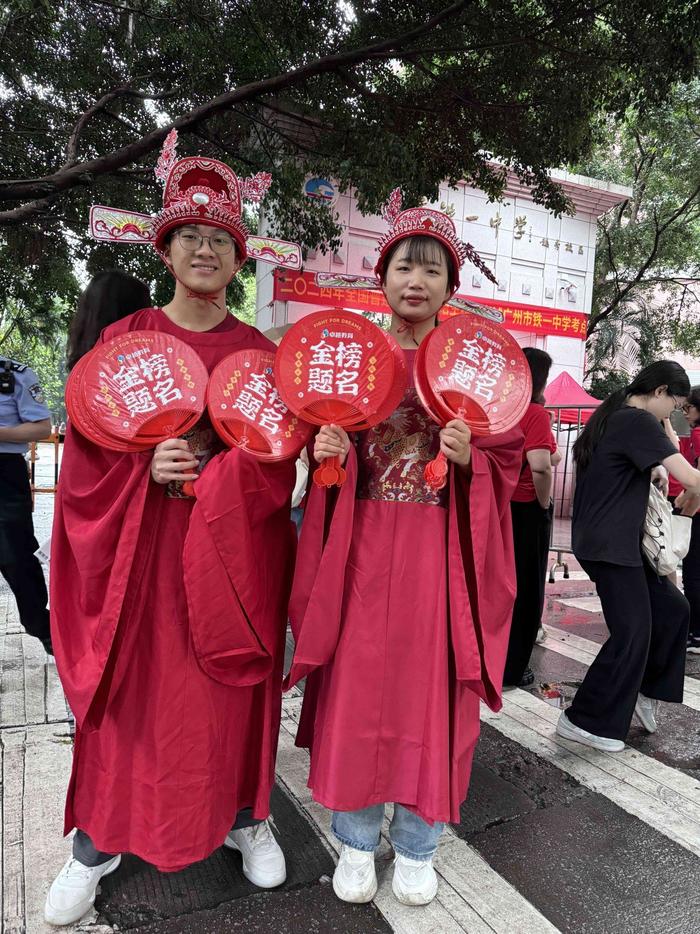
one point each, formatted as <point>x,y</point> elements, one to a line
<point>643,660</point>
<point>531,511</point>
<point>23,418</point>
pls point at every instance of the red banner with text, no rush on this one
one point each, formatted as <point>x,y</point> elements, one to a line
<point>535,319</point>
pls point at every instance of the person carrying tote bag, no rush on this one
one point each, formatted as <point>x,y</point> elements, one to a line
<point>643,660</point>
<point>666,537</point>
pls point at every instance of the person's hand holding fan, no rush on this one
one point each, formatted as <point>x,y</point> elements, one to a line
<point>336,368</point>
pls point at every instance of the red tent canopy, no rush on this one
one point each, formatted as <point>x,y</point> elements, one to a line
<point>565,391</point>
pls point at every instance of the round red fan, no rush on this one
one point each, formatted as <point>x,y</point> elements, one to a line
<point>336,367</point>
<point>246,409</point>
<point>474,370</point>
<point>79,414</point>
<point>142,387</point>
<point>398,387</point>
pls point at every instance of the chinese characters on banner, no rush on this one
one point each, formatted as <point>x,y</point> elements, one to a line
<point>477,369</point>
<point>260,402</point>
<point>334,368</point>
<point>146,383</point>
<point>535,319</point>
<point>301,287</point>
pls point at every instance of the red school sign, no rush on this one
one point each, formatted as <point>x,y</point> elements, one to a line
<point>301,287</point>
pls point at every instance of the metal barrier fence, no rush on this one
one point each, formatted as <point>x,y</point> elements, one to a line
<point>567,422</point>
<point>48,481</point>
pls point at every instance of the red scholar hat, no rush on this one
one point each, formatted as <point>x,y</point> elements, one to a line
<point>137,390</point>
<point>197,191</point>
<point>425,222</point>
<point>247,411</point>
<point>336,367</point>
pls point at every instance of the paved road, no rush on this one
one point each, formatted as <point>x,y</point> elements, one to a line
<point>553,837</point>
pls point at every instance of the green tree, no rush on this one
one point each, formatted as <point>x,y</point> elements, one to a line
<point>645,297</point>
<point>47,359</point>
<point>375,94</point>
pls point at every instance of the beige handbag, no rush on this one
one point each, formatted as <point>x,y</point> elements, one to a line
<point>666,538</point>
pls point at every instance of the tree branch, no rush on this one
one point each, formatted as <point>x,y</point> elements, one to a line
<point>27,211</point>
<point>83,173</point>
<point>660,230</point>
<point>101,107</point>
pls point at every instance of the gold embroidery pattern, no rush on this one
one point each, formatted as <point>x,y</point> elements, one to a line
<point>392,456</point>
<point>204,442</point>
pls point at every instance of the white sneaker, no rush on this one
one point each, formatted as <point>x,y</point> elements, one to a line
<point>415,882</point>
<point>541,635</point>
<point>569,730</point>
<point>263,859</point>
<point>645,710</point>
<point>355,879</point>
<point>72,892</point>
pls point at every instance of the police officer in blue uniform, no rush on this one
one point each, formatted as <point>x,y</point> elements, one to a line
<point>23,418</point>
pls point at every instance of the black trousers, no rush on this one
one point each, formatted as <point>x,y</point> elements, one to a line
<point>531,531</point>
<point>691,576</point>
<point>648,621</point>
<point>18,563</point>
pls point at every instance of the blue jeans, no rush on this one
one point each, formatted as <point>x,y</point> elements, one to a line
<point>410,835</point>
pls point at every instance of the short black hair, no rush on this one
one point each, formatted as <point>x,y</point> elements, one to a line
<point>540,364</point>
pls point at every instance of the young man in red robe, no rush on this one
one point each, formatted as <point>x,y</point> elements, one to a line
<point>402,600</point>
<point>169,612</point>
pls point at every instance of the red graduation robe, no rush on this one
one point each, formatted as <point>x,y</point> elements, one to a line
<point>168,619</point>
<point>401,609</point>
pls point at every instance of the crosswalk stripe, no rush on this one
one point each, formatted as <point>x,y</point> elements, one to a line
<point>472,896</point>
<point>664,798</point>
<point>585,650</point>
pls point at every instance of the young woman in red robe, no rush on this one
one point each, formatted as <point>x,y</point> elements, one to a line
<point>168,612</point>
<point>402,600</point>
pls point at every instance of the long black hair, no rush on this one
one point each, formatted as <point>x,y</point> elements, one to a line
<point>540,364</point>
<point>662,373</point>
<point>110,295</point>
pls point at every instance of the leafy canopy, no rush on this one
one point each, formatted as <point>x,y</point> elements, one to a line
<point>377,93</point>
<point>646,299</point>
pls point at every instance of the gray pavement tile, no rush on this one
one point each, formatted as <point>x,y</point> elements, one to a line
<point>591,868</point>
<point>579,622</point>
<point>311,910</point>
<point>138,894</point>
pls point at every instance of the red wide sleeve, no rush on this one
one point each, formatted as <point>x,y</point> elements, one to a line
<point>238,560</point>
<point>314,607</point>
<point>97,523</point>
<point>481,562</point>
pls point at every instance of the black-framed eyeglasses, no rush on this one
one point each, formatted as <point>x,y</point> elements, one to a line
<point>191,240</point>
<point>678,406</point>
